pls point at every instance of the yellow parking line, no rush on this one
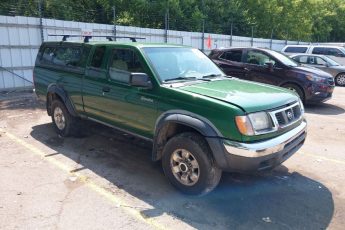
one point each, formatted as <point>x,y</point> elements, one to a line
<point>323,158</point>
<point>89,183</point>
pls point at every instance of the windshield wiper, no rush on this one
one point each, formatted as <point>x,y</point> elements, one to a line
<point>180,78</point>
<point>212,75</point>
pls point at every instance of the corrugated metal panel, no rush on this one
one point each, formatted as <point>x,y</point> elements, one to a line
<point>20,40</point>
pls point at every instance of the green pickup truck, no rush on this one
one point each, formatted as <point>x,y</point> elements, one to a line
<point>200,121</point>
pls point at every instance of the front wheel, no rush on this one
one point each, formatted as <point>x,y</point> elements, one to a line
<point>340,79</point>
<point>296,89</point>
<point>64,122</point>
<point>188,164</point>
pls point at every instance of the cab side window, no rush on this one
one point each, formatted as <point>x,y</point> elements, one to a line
<point>258,58</point>
<point>124,62</point>
<point>97,58</point>
<point>67,56</point>
<point>47,55</point>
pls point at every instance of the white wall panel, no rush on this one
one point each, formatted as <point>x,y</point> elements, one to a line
<point>5,56</point>
<point>9,80</point>
<point>4,36</point>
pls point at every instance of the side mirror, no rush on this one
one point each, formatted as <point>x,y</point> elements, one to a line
<point>269,65</point>
<point>141,80</point>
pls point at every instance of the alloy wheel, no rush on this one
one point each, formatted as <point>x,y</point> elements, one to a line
<point>59,118</point>
<point>185,167</point>
<point>340,79</point>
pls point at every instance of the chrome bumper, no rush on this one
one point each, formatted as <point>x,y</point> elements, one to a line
<point>264,148</point>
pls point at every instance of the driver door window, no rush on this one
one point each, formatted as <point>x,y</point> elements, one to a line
<point>303,59</point>
<point>122,64</point>
<point>258,58</point>
<point>320,61</point>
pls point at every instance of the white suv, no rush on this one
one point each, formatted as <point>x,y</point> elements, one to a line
<point>335,52</point>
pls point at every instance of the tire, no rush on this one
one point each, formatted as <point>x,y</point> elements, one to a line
<point>64,123</point>
<point>296,89</point>
<point>340,79</point>
<point>184,153</point>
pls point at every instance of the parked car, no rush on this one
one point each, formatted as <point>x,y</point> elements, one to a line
<point>271,67</point>
<point>335,52</point>
<point>324,63</point>
<point>200,122</point>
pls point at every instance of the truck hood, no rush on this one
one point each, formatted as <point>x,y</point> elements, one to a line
<point>249,96</point>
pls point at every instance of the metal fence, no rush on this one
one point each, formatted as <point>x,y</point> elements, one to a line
<point>20,38</point>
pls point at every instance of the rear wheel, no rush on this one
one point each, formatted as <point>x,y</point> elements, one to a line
<point>64,123</point>
<point>340,79</point>
<point>296,89</point>
<point>188,164</point>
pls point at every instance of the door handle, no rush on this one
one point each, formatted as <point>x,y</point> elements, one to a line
<point>246,69</point>
<point>106,89</point>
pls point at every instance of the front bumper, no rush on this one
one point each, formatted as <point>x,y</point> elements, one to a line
<point>320,93</point>
<point>258,156</point>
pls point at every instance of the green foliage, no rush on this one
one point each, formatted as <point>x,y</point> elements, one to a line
<point>306,20</point>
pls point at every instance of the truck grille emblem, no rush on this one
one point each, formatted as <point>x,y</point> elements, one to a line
<point>289,115</point>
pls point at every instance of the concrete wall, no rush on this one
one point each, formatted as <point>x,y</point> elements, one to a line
<point>20,38</point>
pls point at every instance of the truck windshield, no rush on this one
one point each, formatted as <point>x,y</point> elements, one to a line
<point>181,64</point>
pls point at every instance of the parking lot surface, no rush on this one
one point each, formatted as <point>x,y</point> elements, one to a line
<point>104,179</point>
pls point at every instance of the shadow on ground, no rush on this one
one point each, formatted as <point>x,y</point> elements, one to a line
<point>15,101</point>
<point>324,109</point>
<point>275,200</point>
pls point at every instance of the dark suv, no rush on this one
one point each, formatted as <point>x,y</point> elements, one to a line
<point>270,67</point>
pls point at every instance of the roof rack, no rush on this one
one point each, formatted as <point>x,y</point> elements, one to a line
<point>88,37</point>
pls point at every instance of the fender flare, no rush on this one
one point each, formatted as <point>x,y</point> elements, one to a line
<point>58,90</point>
<point>202,125</point>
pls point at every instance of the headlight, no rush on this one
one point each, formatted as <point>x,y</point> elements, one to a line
<point>316,79</point>
<point>253,123</point>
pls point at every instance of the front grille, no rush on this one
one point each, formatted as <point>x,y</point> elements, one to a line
<point>280,118</point>
<point>286,116</point>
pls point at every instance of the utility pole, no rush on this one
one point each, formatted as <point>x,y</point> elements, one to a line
<point>231,35</point>
<point>166,25</point>
<point>203,35</point>
<point>203,26</point>
<point>114,21</point>
<point>271,43</point>
<point>41,20</point>
<point>252,41</point>
<point>287,35</point>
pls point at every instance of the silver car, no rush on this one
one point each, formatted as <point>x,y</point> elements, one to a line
<point>324,63</point>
